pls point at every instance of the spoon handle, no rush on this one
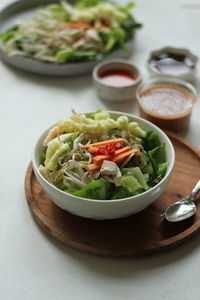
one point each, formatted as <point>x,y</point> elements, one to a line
<point>196,189</point>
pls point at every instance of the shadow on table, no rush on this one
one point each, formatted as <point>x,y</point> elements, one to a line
<point>126,267</point>
<point>63,82</point>
<point>73,85</point>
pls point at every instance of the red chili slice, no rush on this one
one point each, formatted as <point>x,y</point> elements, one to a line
<point>110,148</point>
<point>118,146</point>
<point>102,150</point>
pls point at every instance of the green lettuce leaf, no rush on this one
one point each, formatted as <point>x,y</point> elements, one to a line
<point>98,189</point>
<point>162,169</point>
<point>128,8</point>
<point>158,159</point>
<point>70,55</point>
<point>129,25</point>
<point>131,183</point>
<point>148,168</point>
<point>7,35</point>
<point>151,141</point>
<point>137,174</point>
<point>157,156</point>
<point>56,148</point>
<point>55,11</point>
<point>112,38</point>
<point>82,4</point>
<point>80,56</point>
<point>54,151</point>
<point>65,55</point>
<point>70,140</point>
<point>120,193</point>
<point>92,115</point>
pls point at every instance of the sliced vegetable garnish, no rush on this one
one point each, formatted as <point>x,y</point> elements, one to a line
<point>123,155</point>
<point>124,149</point>
<point>118,146</point>
<point>98,160</point>
<point>101,151</point>
<point>110,148</point>
<point>104,143</point>
<point>92,167</point>
<point>97,157</point>
<point>79,24</point>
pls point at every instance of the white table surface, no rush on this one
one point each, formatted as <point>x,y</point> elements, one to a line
<point>34,266</point>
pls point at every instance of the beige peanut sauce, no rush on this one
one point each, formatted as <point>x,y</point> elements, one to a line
<point>167,106</point>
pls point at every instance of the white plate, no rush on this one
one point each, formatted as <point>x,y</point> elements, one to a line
<point>24,9</point>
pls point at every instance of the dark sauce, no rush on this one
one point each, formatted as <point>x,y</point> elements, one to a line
<point>117,78</point>
<point>172,64</point>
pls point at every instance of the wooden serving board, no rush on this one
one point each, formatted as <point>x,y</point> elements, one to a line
<point>143,233</point>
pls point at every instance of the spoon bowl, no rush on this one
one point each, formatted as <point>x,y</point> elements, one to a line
<point>180,211</point>
<point>183,209</point>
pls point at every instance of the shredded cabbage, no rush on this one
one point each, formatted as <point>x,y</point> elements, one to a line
<point>99,125</point>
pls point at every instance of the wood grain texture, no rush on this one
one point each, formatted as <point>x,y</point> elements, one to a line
<point>143,233</point>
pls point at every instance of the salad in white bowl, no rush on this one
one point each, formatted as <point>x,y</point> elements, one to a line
<point>103,165</point>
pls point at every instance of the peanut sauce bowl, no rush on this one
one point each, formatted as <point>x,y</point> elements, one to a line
<point>116,80</point>
<point>166,102</point>
<point>106,209</point>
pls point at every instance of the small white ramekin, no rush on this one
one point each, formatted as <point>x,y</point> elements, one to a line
<point>115,93</point>
<point>187,76</point>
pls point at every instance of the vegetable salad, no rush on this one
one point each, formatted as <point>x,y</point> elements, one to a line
<point>97,157</point>
<point>62,33</point>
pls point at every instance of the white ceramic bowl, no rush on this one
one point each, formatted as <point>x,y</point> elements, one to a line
<point>106,209</point>
<point>188,76</point>
<point>115,93</point>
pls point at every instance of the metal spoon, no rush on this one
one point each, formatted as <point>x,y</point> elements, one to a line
<point>183,208</point>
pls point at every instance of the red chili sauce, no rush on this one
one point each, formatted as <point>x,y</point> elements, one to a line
<point>117,78</point>
<point>167,106</point>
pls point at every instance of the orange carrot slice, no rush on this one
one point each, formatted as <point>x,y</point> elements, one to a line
<point>93,149</point>
<point>79,24</point>
<point>104,24</point>
<point>117,152</point>
<point>92,168</point>
<point>104,143</point>
<point>123,155</point>
<point>98,160</point>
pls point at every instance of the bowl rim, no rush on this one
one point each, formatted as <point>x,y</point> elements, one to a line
<point>113,61</point>
<point>169,169</point>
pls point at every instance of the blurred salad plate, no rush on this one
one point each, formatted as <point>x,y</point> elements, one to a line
<point>57,38</point>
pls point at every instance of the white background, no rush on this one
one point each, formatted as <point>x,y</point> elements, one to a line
<point>32,265</point>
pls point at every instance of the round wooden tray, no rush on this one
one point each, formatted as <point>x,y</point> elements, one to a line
<point>143,233</point>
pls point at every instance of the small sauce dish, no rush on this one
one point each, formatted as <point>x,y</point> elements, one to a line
<point>116,80</point>
<point>168,103</point>
<point>173,63</point>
